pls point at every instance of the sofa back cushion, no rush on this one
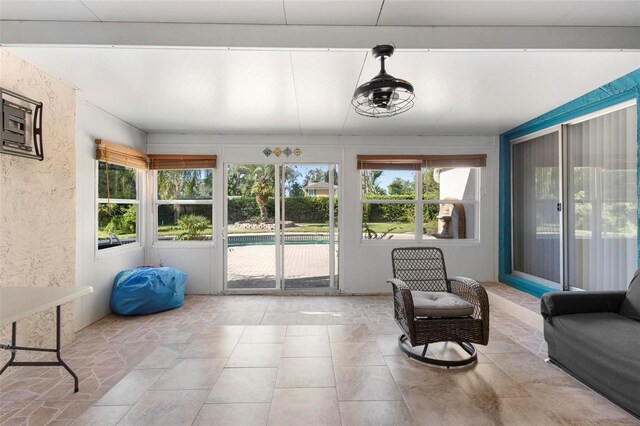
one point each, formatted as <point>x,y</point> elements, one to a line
<point>630,307</point>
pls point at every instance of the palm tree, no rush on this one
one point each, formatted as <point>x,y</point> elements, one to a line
<point>262,186</point>
<point>370,184</point>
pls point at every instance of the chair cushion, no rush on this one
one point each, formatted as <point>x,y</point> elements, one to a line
<point>440,304</point>
<point>630,307</point>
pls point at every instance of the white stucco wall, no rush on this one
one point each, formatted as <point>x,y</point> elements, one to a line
<point>364,265</point>
<point>98,269</point>
<point>37,203</point>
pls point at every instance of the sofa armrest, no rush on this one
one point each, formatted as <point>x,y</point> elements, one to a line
<point>580,302</point>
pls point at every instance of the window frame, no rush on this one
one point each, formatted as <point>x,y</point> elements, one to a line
<point>109,251</point>
<point>419,204</point>
<point>157,203</point>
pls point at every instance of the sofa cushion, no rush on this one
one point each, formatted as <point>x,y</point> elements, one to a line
<point>440,304</point>
<point>630,307</point>
<point>603,350</point>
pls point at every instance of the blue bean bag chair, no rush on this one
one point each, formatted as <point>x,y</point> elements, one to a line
<point>147,290</point>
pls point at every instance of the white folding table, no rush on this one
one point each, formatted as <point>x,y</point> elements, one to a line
<point>19,302</point>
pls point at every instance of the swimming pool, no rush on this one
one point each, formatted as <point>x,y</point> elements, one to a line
<point>269,239</point>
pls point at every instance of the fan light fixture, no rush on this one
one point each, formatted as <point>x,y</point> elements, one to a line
<point>383,95</point>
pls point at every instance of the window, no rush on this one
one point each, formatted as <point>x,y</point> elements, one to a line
<point>442,206</point>
<point>118,205</point>
<point>184,205</point>
<point>388,204</point>
<point>450,197</point>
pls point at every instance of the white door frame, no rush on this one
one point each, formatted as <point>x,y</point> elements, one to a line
<point>279,228</point>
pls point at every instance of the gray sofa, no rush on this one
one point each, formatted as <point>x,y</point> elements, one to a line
<point>596,337</point>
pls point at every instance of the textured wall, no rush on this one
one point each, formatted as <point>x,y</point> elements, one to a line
<point>37,203</point>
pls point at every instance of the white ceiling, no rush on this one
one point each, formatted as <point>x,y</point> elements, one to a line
<point>309,92</point>
<point>333,12</point>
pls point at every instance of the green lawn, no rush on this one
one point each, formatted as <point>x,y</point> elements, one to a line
<point>380,228</point>
<point>393,227</point>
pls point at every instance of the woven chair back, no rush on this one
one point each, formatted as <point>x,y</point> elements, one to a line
<point>421,268</point>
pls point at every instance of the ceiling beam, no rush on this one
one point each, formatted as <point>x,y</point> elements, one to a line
<point>54,33</point>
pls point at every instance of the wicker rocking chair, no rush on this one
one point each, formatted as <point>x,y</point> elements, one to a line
<point>429,307</point>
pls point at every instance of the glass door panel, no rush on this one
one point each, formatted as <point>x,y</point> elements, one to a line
<point>251,237</point>
<point>309,254</point>
<point>602,201</point>
<point>537,237</point>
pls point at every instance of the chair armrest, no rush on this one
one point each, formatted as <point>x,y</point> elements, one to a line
<point>580,302</point>
<point>471,291</point>
<point>402,305</point>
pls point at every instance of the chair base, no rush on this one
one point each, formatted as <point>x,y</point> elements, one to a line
<point>407,349</point>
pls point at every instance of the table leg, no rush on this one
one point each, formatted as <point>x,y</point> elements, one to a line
<point>14,348</point>
<point>62,363</point>
<point>13,345</point>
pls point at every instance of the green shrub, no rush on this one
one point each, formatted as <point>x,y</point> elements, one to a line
<point>192,226</point>
<point>118,218</point>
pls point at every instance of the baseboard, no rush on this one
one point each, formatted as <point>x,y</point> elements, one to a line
<point>523,314</point>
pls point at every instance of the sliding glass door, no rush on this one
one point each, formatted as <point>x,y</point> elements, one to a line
<point>281,230</point>
<point>309,239</point>
<point>602,206</point>
<point>574,203</point>
<point>537,237</point>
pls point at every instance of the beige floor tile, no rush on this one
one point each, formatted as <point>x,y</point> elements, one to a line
<point>350,333</point>
<point>233,415</point>
<point>199,373</point>
<point>366,383</point>
<point>306,346</point>
<point>497,346</point>
<point>356,353</point>
<point>388,344</point>
<point>237,385</point>
<point>131,387</point>
<point>255,355</point>
<point>312,317</point>
<point>452,351</point>
<point>284,304</point>
<point>487,381</point>
<point>307,330</point>
<point>102,416</point>
<point>210,348</point>
<point>365,413</point>
<point>72,411</point>
<point>305,373</point>
<point>408,372</point>
<point>219,331</point>
<point>161,357</point>
<point>384,327</point>
<point>516,411</point>
<point>264,334</point>
<point>442,406</point>
<point>304,407</point>
<point>528,368</point>
<point>280,319</point>
<point>578,405</point>
<point>238,318</point>
<point>175,408</point>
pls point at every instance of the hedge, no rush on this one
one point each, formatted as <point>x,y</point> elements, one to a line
<point>298,209</point>
<point>316,210</point>
<point>396,212</point>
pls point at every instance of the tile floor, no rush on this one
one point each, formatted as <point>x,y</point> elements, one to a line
<point>286,360</point>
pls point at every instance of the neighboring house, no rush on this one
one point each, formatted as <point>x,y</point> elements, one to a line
<point>318,189</point>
